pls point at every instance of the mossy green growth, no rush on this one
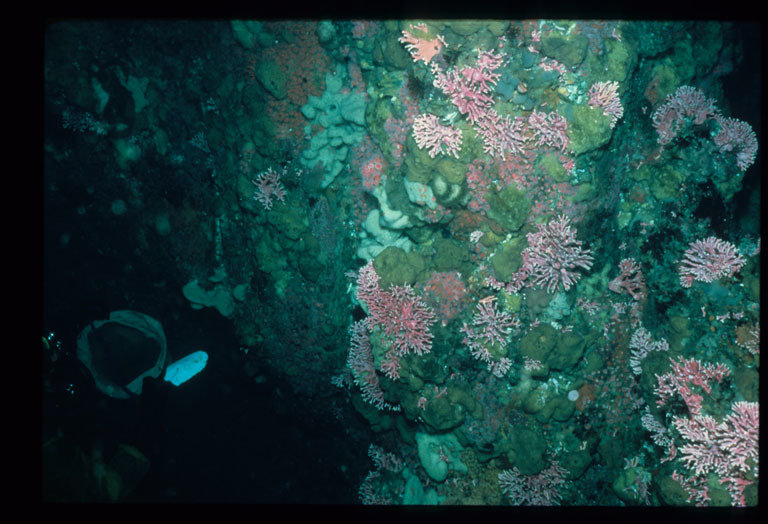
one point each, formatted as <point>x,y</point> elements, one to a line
<point>508,259</point>
<point>655,363</point>
<point>419,166</point>
<point>471,143</point>
<point>584,192</point>
<point>718,495</point>
<point>289,217</point>
<point>396,267</point>
<point>446,193</point>
<point>527,450</point>
<point>682,59</point>
<point>442,414</point>
<point>747,382</point>
<point>708,43</point>
<point>377,419</point>
<point>567,352</point>
<point>375,119</point>
<point>644,172</point>
<point>680,331</point>
<point>665,185</point>
<point>496,27</point>
<point>548,165</point>
<point>576,462</point>
<point>558,408</point>
<point>272,78</point>
<point>588,128</point>
<point>625,485</point>
<point>432,449</point>
<point>593,362</point>
<point>536,400</point>
<point>751,287</point>
<point>414,492</point>
<point>452,170</point>
<point>727,183</point>
<point>310,266</point>
<point>449,255</point>
<point>428,370</point>
<point>666,80</point>
<point>389,51</point>
<point>463,394</point>
<point>612,452</point>
<point>671,492</point>
<point>569,49</point>
<point>466,27</point>
<point>619,60</point>
<point>268,254</point>
<point>512,303</point>
<point>510,207</point>
<point>538,343</point>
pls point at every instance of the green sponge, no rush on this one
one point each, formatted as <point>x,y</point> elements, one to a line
<point>433,452</point>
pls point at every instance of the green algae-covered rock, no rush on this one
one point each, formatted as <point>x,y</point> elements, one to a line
<point>527,450</point>
<point>625,485</point>
<point>538,343</point>
<point>389,51</point>
<point>396,267</point>
<point>576,462</point>
<point>665,185</point>
<point>449,255</point>
<point>442,414</point>
<point>548,165</point>
<point>570,50</point>
<point>510,207</point>
<point>272,77</point>
<point>453,170</point>
<point>466,27</point>
<point>588,128</point>
<point>289,218</point>
<point>433,448</point>
<point>309,265</point>
<point>567,352</point>
<point>747,382</point>
<point>672,493</point>
<point>619,60</point>
<point>507,259</point>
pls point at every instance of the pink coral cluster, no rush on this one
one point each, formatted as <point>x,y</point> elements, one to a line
<point>541,489</point>
<point>489,327</point>
<point>735,135</point>
<point>728,449</point>
<point>402,316</point>
<point>684,373</point>
<point>548,130</point>
<point>268,185</point>
<point>605,95</point>
<point>708,260</point>
<point>553,253</point>
<point>689,105</point>
<point>446,293</point>
<point>360,362</point>
<point>501,135</point>
<point>437,138</point>
<point>640,345</point>
<point>630,280</point>
<point>421,47</point>
<point>686,103</point>
<point>471,88</point>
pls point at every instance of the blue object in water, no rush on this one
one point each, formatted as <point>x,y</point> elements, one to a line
<point>186,368</point>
